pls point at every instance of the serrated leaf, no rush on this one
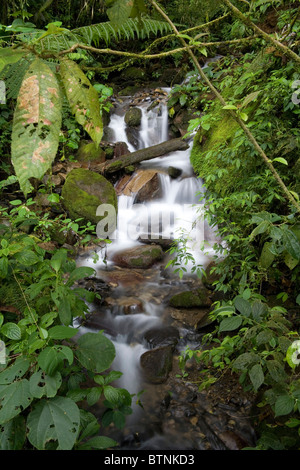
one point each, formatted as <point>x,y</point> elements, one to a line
<point>284,405</point>
<point>259,310</point>
<point>276,370</point>
<point>11,331</point>
<point>83,99</point>
<point>230,324</point>
<point>245,360</point>
<point>256,375</point>
<point>36,124</point>
<point>56,419</point>
<point>48,360</point>
<point>95,351</point>
<point>243,306</point>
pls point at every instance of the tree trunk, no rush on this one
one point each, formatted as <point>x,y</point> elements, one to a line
<point>141,155</point>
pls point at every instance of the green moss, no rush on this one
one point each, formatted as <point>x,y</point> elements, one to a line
<point>84,191</point>
<point>190,299</point>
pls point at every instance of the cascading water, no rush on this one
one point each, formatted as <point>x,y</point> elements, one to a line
<point>176,211</point>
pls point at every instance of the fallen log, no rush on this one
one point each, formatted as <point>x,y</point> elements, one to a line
<point>141,155</point>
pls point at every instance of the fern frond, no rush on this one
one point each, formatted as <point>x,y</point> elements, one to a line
<point>13,75</point>
<point>104,32</point>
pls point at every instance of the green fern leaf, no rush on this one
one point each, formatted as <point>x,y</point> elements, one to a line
<point>36,124</point>
<point>83,99</point>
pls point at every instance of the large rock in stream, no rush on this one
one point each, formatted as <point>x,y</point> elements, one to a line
<point>141,257</point>
<point>157,364</point>
<point>83,191</point>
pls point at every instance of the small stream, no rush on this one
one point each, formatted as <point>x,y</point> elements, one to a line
<point>135,314</point>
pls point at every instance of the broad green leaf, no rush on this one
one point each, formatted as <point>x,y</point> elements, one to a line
<point>284,405</point>
<point>27,258</point>
<point>280,160</point>
<point>8,55</point>
<point>267,257</point>
<point>36,124</point>
<point>259,310</point>
<point>291,243</point>
<point>41,384</point>
<point>261,228</point>
<point>245,360</point>
<point>83,99</point>
<point>249,98</point>
<point>276,370</point>
<point>62,332</point>
<point>98,442</point>
<point>290,261</point>
<point>256,375</point>
<point>65,311</point>
<point>243,306</point>
<point>14,372</point>
<point>93,395</point>
<point>56,419</point>
<point>95,351</point>
<point>79,273</point>
<point>11,331</point>
<point>48,360</point>
<point>229,106</point>
<point>229,324</point>
<point>13,434</point>
<point>111,394</point>
<point>14,398</point>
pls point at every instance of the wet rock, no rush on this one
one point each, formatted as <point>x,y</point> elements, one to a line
<point>141,257</point>
<point>162,336</point>
<point>165,243</point>
<point>156,364</point>
<point>193,318</point>
<point>210,275</point>
<point>127,305</point>
<point>191,299</point>
<point>174,172</point>
<point>144,185</point>
<point>133,117</point>
<point>84,191</point>
<point>132,135</point>
<point>121,148</point>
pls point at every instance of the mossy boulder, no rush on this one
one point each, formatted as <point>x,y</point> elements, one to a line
<point>83,191</point>
<point>191,299</point>
<point>140,257</point>
<point>133,117</point>
<point>88,152</point>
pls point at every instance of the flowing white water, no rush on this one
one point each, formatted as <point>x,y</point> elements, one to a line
<point>175,214</point>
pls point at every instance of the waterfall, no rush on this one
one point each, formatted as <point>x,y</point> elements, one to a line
<point>177,212</point>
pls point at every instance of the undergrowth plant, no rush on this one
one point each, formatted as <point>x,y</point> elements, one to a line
<point>49,371</point>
